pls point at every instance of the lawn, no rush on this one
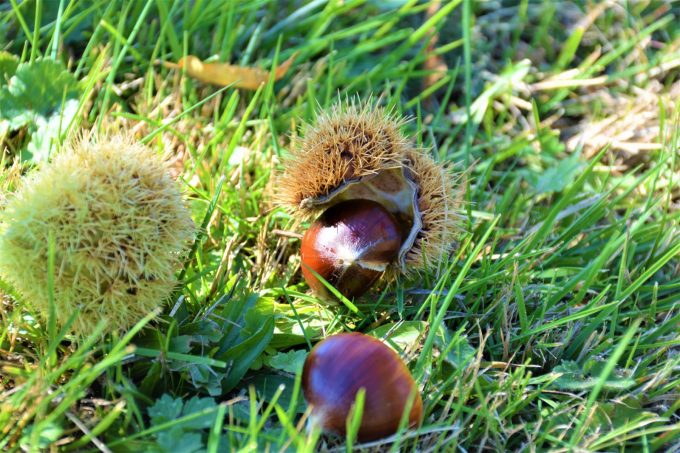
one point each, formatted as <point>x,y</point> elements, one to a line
<point>553,322</point>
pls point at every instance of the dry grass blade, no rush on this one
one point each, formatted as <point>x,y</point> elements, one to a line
<point>631,125</point>
<point>434,63</point>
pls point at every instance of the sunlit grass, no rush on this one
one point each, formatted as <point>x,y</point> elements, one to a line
<point>554,325</point>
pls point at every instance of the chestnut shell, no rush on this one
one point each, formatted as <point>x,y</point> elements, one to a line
<point>342,364</point>
<point>349,245</point>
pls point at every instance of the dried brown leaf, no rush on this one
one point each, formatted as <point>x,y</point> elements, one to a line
<point>224,74</point>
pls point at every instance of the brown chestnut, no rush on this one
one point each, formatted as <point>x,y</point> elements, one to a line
<point>342,364</point>
<point>349,245</point>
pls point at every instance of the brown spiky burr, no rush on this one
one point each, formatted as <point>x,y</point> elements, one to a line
<point>357,152</point>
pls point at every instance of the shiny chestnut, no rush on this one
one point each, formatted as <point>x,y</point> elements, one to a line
<point>342,364</point>
<point>350,246</point>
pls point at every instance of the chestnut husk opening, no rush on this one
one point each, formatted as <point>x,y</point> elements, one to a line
<point>392,188</point>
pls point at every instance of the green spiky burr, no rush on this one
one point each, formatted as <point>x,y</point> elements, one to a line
<point>119,225</point>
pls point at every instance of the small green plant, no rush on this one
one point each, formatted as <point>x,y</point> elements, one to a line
<point>39,97</point>
<point>117,224</point>
<point>185,425</point>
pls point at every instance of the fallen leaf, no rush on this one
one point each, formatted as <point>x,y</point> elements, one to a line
<point>224,74</point>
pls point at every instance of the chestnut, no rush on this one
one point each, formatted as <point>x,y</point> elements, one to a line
<point>339,366</point>
<point>350,245</point>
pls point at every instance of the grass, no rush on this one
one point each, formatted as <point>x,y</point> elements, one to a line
<point>555,325</point>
